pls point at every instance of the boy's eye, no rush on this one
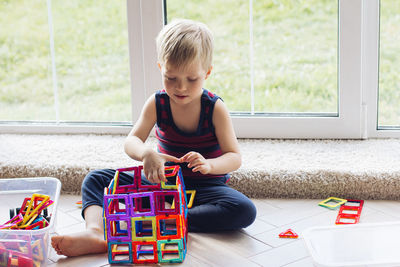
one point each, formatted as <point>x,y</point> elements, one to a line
<point>192,80</point>
<point>170,78</point>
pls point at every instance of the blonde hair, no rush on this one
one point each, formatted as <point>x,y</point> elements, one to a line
<point>182,41</point>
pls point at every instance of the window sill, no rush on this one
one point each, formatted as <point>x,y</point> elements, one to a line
<point>361,169</point>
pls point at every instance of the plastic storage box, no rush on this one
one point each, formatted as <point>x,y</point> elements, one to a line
<point>355,245</point>
<point>30,246</point>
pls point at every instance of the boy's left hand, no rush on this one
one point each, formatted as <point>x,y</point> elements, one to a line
<point>196,161</point>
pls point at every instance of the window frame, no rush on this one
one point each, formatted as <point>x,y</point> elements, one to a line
<point>358,70</point>
<point>370,79</point>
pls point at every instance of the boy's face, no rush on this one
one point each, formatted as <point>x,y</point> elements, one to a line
<point>183,85</point>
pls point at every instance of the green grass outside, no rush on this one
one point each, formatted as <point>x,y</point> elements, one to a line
<point>295,57</point>
<point>91,50</point>
<point>389,65</point>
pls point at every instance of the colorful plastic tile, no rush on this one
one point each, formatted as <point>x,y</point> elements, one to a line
<point>332,203</point>
<point>121,252</point>
<point>170,250</point>
<point>289,233</point>
<point>145,252</point>
<point>347,219</point>
<point>144,228</point>
<point>137,208</point>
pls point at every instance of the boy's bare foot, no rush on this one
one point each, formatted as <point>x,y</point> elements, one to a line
<point>87,242</point>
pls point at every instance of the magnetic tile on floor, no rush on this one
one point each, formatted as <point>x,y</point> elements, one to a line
<point>272,238</point>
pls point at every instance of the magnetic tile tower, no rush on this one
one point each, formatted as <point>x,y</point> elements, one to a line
<point>139,224</point>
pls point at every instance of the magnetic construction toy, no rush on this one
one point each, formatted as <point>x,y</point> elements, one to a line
<point>289,233</point>
<point>332,203</point>
<point>22,251</point>
<point>350,212</point>
<point>30,214</point>
<point>25,249</point>
<point>139,226</point>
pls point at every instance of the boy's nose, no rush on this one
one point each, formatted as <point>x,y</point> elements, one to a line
<point>180,87</point>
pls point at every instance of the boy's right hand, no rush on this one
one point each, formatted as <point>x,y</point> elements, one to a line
<point>153,166</point>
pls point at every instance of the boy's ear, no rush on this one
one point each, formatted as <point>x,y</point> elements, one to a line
<point>209,72</point>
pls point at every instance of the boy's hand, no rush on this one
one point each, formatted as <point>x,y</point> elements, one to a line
<point>153,166</point>
<point>197,162</point>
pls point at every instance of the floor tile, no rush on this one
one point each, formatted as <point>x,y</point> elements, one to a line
<point>391,208</point>
<point>292,203</point>
<point>214,253</point>
<point>291,214</point>
<point>264,207</point>
<point>64,219</point>
<point>234,241</point>
<point>306,262</point>
<point>282,255</point>
<point>377,217</point>
<point>68,202</point>
<point>76,213</point>
<point>257,227</point>
<point>94,260</point>
<point>75,228</point>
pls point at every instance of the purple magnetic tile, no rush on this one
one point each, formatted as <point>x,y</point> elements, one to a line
<point>137,196</point>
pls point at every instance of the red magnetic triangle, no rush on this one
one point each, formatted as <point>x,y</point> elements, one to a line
<point>288,233</point>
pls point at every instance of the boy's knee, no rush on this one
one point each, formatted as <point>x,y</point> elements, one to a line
<point>96,178</point>
<point>247,212</point>
<point>91,177</point>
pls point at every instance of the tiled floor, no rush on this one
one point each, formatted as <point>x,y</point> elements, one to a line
<point>257,245</point>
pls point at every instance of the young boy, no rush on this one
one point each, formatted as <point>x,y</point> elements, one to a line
<point>193,129</point>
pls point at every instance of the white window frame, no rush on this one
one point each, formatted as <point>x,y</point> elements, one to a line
<point>370,79</point>
<point>357,81</point>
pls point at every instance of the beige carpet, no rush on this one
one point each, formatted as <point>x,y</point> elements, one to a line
<point>368,169</point>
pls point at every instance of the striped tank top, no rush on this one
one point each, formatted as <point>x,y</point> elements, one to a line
<point>175,142</point>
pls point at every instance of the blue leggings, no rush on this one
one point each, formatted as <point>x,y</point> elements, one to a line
<point>216,206</point>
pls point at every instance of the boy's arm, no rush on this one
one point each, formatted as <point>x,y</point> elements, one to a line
<point>231,159</point>
<point>134,143</point>
<point>153,162</point>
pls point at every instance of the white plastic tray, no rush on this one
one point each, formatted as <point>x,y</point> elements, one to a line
<point>375,244</point>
